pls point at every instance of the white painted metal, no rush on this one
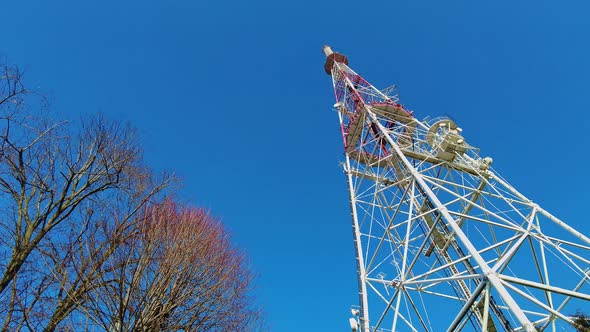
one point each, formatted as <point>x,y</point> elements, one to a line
<point>441,241</point>
<point>364,318</point>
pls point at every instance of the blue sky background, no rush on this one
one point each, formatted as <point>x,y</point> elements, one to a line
<point>232,96</point>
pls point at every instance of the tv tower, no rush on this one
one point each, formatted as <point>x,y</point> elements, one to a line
<point>442,242</point>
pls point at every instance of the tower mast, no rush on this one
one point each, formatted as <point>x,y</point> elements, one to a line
<point>442,241</point>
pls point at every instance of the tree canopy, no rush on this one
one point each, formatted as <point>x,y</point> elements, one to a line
<point>90,238</point>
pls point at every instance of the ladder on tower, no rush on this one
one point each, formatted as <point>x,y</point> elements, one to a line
<point>443,240</point>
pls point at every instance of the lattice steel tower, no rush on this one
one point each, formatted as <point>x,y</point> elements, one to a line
<point>441,240</point>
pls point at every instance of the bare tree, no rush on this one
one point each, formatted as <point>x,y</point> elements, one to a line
<point>180,272</point>
<point>45,174</point>
<point>81,263</point>
<point>53,183</point>
<point>84,243</point>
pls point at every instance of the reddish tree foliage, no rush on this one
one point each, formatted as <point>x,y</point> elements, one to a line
<point>180,272</point>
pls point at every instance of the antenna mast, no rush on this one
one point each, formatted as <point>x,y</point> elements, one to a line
<point>441,240</point>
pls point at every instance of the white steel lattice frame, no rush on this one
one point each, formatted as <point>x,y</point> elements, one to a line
<point>435,227</point>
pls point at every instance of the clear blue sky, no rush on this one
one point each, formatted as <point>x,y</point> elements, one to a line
<point>232,96</point>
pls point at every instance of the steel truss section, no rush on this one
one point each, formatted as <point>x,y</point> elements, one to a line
<point>442,241</point>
